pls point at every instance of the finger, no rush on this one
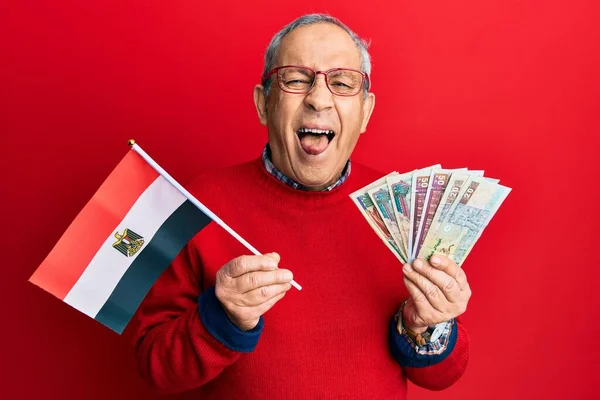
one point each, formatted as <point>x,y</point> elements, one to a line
<point>264,294</point>
<point>244,264</point>
<point>416,295</point>
<point>256,279</point>
<point>274,256</point>
<point>425,311</point>
<point>445,264</point>
<point>448,286</point>
<point>266,306</point>
<point>428,290</point>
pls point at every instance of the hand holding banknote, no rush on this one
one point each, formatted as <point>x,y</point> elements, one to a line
<point>430,219</point>
<point>439,292</point>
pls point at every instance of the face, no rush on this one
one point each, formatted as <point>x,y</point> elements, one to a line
<point>307,156</point>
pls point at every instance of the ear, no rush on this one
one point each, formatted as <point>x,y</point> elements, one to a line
<point>368,106</point>
<point>260,102</point>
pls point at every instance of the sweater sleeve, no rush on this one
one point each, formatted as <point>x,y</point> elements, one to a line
<point>183,338</point>
<point>432,371</point>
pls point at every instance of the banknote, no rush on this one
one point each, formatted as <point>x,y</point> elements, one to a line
<point>431,210</point>
<point>450,196</point>
<point>437,185</point>
<point>399,189</point>
<point>458,188</point>
<point>478,201</point>
<point>380,196</point>
<point>419,185</point>
<point>368,209</point>
<point>399,186</point>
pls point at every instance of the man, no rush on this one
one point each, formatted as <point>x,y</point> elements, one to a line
<point>219,323</point>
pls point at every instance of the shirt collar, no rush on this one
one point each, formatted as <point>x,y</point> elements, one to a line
<point>268,164</point>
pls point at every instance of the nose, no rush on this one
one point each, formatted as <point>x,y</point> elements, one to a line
<point>320,97</point>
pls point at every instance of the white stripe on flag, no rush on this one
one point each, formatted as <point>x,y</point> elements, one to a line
<point>108,266</point>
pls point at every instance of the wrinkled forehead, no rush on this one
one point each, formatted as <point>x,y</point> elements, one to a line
<point>320,46</point>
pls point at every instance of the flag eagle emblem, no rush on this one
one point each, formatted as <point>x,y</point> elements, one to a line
<point>128,243</point>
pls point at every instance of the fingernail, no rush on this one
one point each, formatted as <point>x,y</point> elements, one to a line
<point>417,263</point>
<point>436,260</point>
<point>288,276</point>
<point>407,268</point>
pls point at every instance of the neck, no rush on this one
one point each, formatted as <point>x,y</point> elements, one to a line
<point>274,169</point>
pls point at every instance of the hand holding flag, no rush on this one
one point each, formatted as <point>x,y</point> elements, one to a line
<point>248,286</point>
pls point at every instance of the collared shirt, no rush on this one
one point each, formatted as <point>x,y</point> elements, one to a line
<point>272,169</point>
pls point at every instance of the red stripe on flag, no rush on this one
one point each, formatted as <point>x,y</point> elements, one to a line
<point>71,255</point>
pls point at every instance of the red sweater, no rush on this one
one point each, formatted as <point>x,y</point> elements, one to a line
<point>333,339</point>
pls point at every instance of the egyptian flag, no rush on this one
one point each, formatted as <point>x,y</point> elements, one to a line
<point>120,243</point>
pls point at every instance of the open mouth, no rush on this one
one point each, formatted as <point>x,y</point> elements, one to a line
<point>315,141</point>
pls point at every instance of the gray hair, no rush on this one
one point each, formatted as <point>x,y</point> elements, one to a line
<point>309,19</point>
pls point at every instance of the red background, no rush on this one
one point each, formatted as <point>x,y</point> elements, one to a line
<point>507,86</point>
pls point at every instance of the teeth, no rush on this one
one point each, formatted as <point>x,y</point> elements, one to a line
<point>316,131</point>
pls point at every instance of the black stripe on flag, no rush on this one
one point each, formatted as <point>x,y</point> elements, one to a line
<point>152,261</point>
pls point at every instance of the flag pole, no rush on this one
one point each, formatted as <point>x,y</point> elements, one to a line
<point>195,201</point>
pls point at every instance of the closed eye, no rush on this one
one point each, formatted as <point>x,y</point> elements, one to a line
<point>340,84</point>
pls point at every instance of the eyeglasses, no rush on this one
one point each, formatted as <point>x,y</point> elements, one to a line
<point>300,80</point>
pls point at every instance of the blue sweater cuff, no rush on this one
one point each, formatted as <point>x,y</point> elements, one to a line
<point>407,356</point>
<point>219,325</point>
